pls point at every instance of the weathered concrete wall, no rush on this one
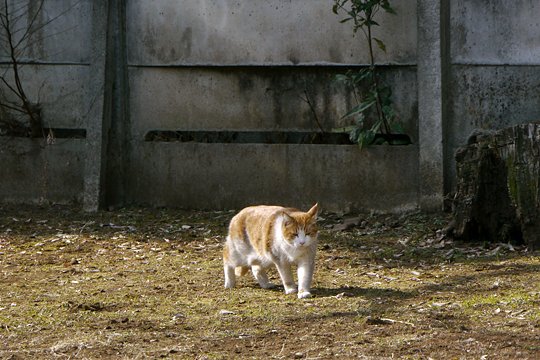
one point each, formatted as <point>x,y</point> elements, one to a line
<point>231,175</point>
<point>495,32</point>
<point>61,91</point>
<point>54,58</point>
<point>250,66</point>
<point>225,176</point>
<point>495,69</point>
<point>34,172</point>
<point>62,30</point>
<point>54,71</point>
<point>272,32</point>
<point>229,65</point>
<point>216,65</point>
<point>248,98</point>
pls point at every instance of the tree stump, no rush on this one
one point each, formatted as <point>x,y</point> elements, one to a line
<point>497,197</point>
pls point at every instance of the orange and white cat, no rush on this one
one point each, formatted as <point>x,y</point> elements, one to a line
<point>262,236</point>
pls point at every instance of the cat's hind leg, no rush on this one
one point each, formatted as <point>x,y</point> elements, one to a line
<point>230,277</point>
<point>228,268</point>
<point>241,270</point>
<point>260,275</point>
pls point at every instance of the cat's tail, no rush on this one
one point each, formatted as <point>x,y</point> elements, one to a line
<point>241,270</point>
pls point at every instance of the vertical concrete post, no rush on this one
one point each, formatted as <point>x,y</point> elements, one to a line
<point>117,73</point>
<point>96,135</point>
<point>431,70</point>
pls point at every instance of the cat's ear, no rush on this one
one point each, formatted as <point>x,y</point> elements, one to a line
<point>313,211</point>
<point>287,219</point>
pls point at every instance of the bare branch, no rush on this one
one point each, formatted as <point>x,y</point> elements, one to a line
<point>15,91</point>
<point>20,26</point>
<point>30,28</point>
<point>307,100</point>
<point>20,51</point>
<point>13,107</point>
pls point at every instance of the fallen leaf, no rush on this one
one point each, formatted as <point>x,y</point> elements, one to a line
<point>344,294</point>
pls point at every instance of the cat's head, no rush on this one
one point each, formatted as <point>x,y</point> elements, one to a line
<point>300,228</point>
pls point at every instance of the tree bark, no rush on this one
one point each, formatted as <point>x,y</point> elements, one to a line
<point>497,197</point>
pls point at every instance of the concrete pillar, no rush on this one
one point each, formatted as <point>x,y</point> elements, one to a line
<point>96,139</point>
<point>432,56</point>
<point>107,120</point>
<point>116,73</point>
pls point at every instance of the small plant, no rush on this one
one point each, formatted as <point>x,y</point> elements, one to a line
<point>374,112</point>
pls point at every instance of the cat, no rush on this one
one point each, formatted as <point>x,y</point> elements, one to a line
<point>262,236</point>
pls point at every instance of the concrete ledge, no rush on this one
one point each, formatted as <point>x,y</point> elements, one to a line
<point>231,176</point>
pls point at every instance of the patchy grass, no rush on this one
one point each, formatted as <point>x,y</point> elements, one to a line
<point>148,284</point>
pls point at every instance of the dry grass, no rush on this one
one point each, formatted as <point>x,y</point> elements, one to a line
<point>137,284</point>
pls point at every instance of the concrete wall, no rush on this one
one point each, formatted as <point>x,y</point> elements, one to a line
<point>215,65</point>
<point>251,98</point>
<point>494,71</point>
<point>225,176</point>
<point>61,30</point>
<point>34,172</point>
<point>119,69</point>
<point>272,32</point>
<point>55,72</point>
<point>247,65</point>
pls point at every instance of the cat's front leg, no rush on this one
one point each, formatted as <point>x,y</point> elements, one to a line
<point>285,272</point>
<point>305,276</point>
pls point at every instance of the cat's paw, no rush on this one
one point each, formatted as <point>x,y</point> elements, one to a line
<point>304,295</point>
<point>229,284</point>
<point>291,290</point>
<point>269,286</point>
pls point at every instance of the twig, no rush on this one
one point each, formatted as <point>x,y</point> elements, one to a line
<point>312,108</point>
<point>282,349</point>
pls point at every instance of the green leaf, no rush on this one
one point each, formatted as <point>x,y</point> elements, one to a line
<point>385,4</point>
<point>359,108</point>
<point>376,127</point>
<point>380,141</point>
<point>344,129</point>
<point>388,112</point>
<point>354,135</point>
<point>359,120</point>
<point>397,128</point>
<point>361,75</point>
<point>380,44</point>
<point>342,78</point>
<point>385,92</point>
<point>368,137</point>
<point>360,142</point>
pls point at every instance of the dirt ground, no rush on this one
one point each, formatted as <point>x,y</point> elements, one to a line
<point>148,283</point>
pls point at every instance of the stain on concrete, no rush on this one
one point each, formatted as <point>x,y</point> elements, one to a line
<point>186,42</point>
